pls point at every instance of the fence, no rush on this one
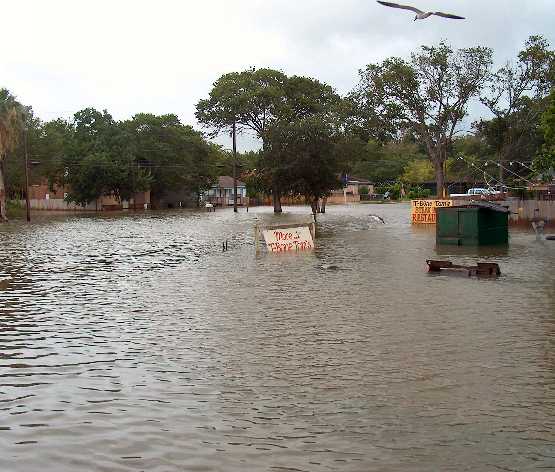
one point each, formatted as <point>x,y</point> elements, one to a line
<point>56,204</point>
<point>523,211</point>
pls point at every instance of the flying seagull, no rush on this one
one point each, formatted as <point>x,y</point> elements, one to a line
<point>421,15</point>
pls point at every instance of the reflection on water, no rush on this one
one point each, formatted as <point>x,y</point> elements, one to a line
<point>133,343</point>
<point>481,252</point>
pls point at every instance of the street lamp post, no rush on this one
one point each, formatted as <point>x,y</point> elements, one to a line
<point>234,167</point>
<point>27,201</point>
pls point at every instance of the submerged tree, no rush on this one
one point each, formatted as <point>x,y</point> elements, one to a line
<point>429,94</point>
<point>306,152</point>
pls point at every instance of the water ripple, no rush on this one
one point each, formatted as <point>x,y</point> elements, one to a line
<point>132,342</point>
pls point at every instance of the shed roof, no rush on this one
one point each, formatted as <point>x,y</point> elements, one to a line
<point>481,204</point>
<point>225,181</point>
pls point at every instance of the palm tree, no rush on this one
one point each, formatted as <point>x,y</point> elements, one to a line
<point>10,128</point>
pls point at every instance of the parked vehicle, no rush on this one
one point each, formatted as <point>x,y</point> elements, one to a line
<point>482,192</point>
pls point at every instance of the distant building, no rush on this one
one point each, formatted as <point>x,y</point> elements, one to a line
<point>221,193</point>
<point>42,197</point>
<point>351,192</point>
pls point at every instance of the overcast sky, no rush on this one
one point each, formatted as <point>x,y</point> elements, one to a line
<point>131,56</point>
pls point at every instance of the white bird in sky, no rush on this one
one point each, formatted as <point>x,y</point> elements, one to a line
<point>421,15</point>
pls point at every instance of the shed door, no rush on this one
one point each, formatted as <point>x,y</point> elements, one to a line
<point>467,224</point>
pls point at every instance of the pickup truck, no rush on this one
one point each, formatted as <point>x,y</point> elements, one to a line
<point>481,192</point>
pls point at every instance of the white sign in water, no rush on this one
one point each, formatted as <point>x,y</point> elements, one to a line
<point>290,239</point>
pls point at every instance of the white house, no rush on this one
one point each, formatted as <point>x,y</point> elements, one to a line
<point>221,193</point>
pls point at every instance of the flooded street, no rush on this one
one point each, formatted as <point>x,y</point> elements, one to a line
<point>132,342</point>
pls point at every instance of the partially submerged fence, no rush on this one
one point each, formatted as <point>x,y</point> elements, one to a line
<point>525,211</point>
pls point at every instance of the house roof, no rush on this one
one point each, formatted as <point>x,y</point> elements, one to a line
<point>481,204</point>
<point>225,181</point>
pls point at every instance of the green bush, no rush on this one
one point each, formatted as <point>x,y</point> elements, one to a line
<point>417,193</point>
<point>363,190</point>
<point>393,189</point>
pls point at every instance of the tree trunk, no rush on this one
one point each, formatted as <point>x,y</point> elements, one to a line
<point>440,178</point>
<point>3,211</point>
<point>276,197</point>
<point>323,206</point>
<point>314,205</point>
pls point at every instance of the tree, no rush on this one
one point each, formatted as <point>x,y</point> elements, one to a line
<point>305,149</point>
<point>367,116</point>
<point>256,99</point>
<point>11,123</point>
<point>176,156</point>
<point>51,147</point>
<point>429,94</point>
<point>514,94</point>
<point>376,161</point>
<point>417,172</point>
<point>544,163</point>
<point>91,179</point>
<point>98,158</point>
<point>14,168</point>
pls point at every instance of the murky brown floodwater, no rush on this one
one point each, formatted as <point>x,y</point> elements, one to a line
<point>133,343</point>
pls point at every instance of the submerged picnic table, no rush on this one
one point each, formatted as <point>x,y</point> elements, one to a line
<point>481,269</point>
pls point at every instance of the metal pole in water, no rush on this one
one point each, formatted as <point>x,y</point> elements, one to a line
<point>234,167</point>
<point>27,201</point>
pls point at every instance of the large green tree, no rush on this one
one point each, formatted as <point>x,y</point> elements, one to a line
<point>303,151</point>
<point>515,95</point>
<point>544,163</point>
<point>378,162</point>
<point>429,94</point>
<point>258,99</point>
<point>11,124</point>
<point>177,157</point>
<point>99,159</point>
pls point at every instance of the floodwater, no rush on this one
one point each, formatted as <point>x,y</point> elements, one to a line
<point>133,343</point>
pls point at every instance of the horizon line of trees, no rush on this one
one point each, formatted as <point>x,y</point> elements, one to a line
<point>401,123</point>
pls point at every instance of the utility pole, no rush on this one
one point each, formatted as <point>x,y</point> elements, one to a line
<point>234,167</point>
<point>27,202</point>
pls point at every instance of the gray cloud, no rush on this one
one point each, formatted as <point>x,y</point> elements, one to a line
<point>162,57</point>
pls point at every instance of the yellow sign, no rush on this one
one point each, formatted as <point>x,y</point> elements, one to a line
<point>424,211</point>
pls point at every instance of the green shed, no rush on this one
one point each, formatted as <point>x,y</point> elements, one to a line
<point>475,224</point>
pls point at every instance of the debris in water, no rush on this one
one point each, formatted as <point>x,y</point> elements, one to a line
<point>482,269</point>
<point>377,219</point>
<point>329,267</point>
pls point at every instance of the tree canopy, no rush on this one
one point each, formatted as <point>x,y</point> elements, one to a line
<point>404,119</point>
<point>427,95</point>
<point>11,124</point>
<point>267,102</point>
